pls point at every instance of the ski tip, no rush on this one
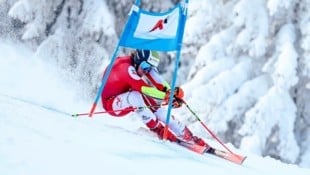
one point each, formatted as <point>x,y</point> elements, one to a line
<point>235,158</point>
<point>238,159</point>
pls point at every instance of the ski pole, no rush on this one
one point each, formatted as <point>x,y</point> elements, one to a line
<point>210,132</point>
<point>102,112</point>
<point>118,110</point>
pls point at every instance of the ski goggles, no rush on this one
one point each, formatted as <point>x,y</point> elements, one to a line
<point>145,67</point>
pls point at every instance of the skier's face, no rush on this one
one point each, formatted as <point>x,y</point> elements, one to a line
<point>144,68</point>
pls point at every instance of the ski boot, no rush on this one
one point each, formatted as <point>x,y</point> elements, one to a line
<point>188,136</point>
<point>159,130</point>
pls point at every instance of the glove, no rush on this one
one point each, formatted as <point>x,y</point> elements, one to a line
<point>177,97</point>
<point>177,102</point>
<point>178,92</point>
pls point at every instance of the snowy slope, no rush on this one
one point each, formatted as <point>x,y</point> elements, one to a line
<point>37,136</point>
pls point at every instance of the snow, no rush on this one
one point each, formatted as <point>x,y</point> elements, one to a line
<point>281,115</point>
<point>19,10</point>
<point>274,5</point>
<point>103,21</point>
<point>252,15</point>
<point>285,75</point>
<point>37,136</point>
<point>218,88</point>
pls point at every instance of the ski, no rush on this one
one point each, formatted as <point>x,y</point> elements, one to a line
<point>192,146</point>
<point>238,159</point>
<point>235,158</point>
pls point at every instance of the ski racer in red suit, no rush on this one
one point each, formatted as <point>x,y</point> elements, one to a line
<point>133,84</point>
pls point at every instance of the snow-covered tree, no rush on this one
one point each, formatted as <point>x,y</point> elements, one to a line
<point>273,117</point>
<point>9,28</point>
<point>303,90</point>
<point>266,33</point>
<point>76,35</point>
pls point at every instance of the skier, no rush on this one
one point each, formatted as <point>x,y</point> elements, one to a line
<point>133,84</point>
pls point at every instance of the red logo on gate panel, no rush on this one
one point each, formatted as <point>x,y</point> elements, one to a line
<point>159,24</point>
